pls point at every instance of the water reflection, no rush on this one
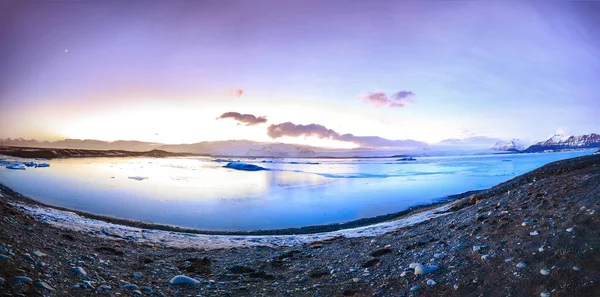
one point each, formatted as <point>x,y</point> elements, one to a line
<point>200,193</point>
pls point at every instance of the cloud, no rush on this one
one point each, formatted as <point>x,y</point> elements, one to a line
<point>247,119</point>
<point>320,131</point>
<point>398,99</point>
<point>237,93</point>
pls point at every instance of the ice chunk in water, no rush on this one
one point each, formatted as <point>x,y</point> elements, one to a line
<point>15,166</point>
<point>244,166</point>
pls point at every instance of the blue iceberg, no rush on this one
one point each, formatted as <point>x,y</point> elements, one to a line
<point>244,166</point>
<point>407,159</point>
<point>15,166</point>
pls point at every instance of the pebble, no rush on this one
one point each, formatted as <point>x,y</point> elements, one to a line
<point>78,270</point>
<point>146,289</point>
<point>415,288</point>
<point>569,229</point>
<point>22,279</point>
<point>425,269</point>
<point>534,233</point>
<point>526,223</point>
<point>130,287</point>
<point>38,254</point>
<point>137,292</point>
<point>137,274</point>
<point>104,288</point>
<point>45,286</point>
<point>521,265</point>
<point>544,294</point>
<point>477,248</point>
<point>545,271</point>
<point>485,257</point>
<point>182,279</point>
<point>575,268</point>
<point>414,265</point>
<point>455,287</point>
<point>431,282</point>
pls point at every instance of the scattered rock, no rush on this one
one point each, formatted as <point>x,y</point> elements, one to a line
<point>381,252</point>
<point>45,286</point>
<point>569,229</point>
<point>534,233</point>
<point>182,279</point>
<point>80,271</point>
<point>22,279</point>
<point>544,294</point>
<point>370,263</point>
<point>419,270</point>
<point>415,288</point>
<point>545,271</point>
<point>38,254</point>
<point>431,282</point>
<point>137,274</point>
<point>521,265</point>
<point>130,287</point>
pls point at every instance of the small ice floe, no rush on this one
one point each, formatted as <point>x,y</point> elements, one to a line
<point>15,166</point>
<point>575,268</point>
<point>29,164</point>
<point>544,294</point>
<point>224,160</point>
<point>569,229</point>
<point>431,282</point>
<point>521,265</point>
<point>138,178</point>
<point>407,159</point>
<point>244,166</point>
<point>534,233</point>
<point>545,271</point>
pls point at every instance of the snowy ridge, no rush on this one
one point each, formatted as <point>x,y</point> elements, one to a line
<point>72,221</point>
<point>513,145</point>
<point>560,142</point>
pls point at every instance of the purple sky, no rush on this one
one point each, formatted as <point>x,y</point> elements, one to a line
<point>422,70</point>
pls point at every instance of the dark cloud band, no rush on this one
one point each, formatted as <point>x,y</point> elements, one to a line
<point>246,119</point>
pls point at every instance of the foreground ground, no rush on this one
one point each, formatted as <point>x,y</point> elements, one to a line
<point>536,235</point>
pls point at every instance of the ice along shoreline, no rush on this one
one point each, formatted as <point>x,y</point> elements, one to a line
<point>55,214</point>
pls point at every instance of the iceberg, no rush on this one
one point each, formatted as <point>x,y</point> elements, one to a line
<point>15,166</point>
<point>407,159</point>
<point>29,164</point>
<point>244,166</point>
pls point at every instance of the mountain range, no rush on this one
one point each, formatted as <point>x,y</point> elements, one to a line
<point>560,142</point>
<point>247,148</point>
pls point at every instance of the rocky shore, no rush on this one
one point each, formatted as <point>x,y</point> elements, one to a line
<point>535,235</point>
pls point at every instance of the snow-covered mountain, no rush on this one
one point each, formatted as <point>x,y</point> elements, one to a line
<point>561,142</point>
<point>513,145</point>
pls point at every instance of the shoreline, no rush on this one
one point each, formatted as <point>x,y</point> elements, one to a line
<point>305,230</point>
<point>534,235</point>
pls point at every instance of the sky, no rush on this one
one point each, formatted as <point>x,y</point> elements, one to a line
<point>325,73</point>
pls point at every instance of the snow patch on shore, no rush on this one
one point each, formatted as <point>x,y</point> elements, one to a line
<point>72,221</point>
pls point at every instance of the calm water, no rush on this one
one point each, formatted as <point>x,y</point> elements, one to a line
<point>200,193</point>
